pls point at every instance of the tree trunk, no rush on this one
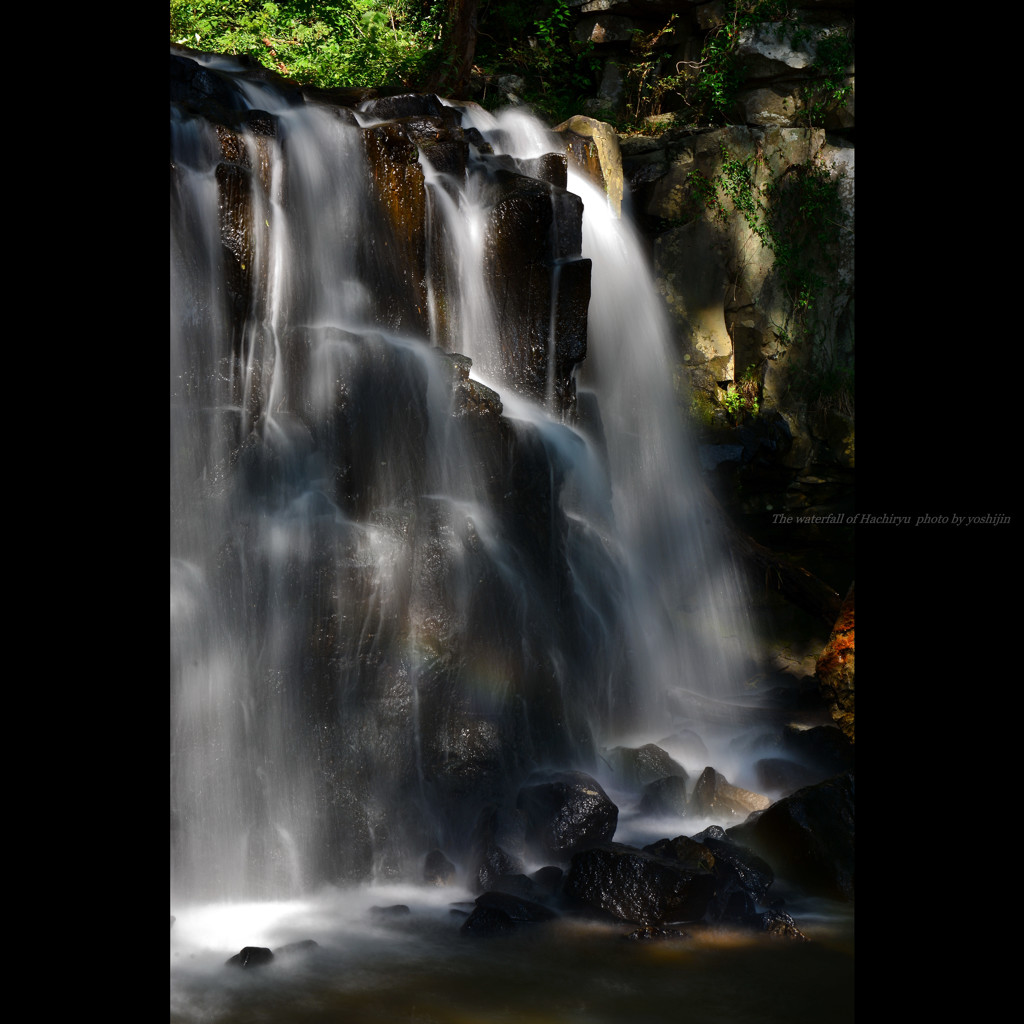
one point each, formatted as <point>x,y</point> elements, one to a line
<point>459,49</point>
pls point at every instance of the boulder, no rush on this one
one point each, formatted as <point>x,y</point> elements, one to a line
<point>808,837</point>
<point>665,796</point>
<point>565,812</point>
<point>518,908</point>
<point>487,922</point>
<point>638,886</point>
<point>251,956</point>
<point>594,146</point>
<point>635,767</point>
<point>714,795</point>
<point>741,877</point>
<point>438,869</point>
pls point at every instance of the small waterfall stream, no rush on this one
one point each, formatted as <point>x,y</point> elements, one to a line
<point>398,581</point>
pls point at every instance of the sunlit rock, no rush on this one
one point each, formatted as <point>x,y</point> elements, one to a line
<point>714,795</point>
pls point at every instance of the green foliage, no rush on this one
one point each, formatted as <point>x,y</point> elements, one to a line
<point>797,215</point>
<point>339,43</point>
<point>649,83</point>
<point>718,75</point>
<point>742,398</point>
<point>535,41</point>
<point>833,57</point>
<point>829,388</point>
<point>711,84</point>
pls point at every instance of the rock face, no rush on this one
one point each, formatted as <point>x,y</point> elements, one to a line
<point>769,382</point>
<point>748,381</point>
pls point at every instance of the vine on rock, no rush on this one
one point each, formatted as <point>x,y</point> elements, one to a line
<point>798,216</point>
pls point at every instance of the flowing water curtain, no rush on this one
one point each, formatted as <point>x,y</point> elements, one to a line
<point>393,589</point>
<point>307,448</point>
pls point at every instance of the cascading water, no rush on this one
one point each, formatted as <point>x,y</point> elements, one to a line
<point>327,675</point>
<point>401,578</point>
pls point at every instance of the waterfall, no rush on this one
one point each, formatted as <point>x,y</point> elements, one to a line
<point>404,571</point>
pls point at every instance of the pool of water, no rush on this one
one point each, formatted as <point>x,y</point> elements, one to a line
<point>418,967</point>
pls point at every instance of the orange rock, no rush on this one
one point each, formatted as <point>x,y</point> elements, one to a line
<point>835,668</point>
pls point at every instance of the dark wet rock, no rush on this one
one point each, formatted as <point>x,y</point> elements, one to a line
<point>780,925</point>
<point>689,745</point>
<point>517,907</point>
<point>688,853</point>
<point>539,280</point>
<point>638,886</point>
<point>741,878</point>
<point>497,846</point>
<point>438,869</point>
<point>665,797</point>
<point>496,864</point>
<point>796,757</point>
<point>521,886</point>
<point>824,747</point>
<point>565,812</point>
<point>299,948</point>
<point>752,873</point>
<point>388,108</point>
<point>390,913</point>
<point>199,87</point>
<point>548,879</point>
<point>251,956</point>
<point>397,192</point>
<point>650,932</point>
<point>714,795</point>
<point>488,921</point>
<point>549,167</point>
<point>783,776</point>
<point>808,837</point>
<point>216,94</point>
<point>635,767</point>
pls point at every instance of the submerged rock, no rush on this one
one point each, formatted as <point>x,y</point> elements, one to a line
<point>391,913</point>
<point>296,948</point>
<point>518,908</point>
<point>251,956</point>
<point>651,932</point>
<point>637,766</point>
<point>438,869</point>
<point>488,921</point>
<point>780,925</point>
